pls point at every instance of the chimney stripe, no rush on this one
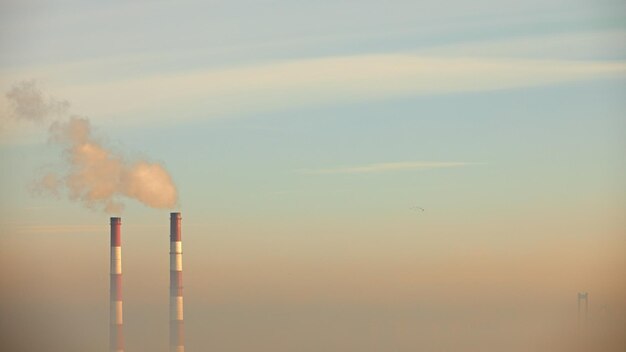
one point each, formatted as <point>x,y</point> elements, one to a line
<point>176,262</point>
<point>116,260</point>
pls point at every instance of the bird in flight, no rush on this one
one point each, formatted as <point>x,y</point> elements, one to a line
<point>418,208</point>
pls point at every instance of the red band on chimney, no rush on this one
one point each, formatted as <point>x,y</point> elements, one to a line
<point>116,287</point>
<point>116,337</point>
<point>116,232</point>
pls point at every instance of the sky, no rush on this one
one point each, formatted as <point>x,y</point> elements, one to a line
<point>298,140</point>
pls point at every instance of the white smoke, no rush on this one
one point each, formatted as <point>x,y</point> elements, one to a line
<point>94,175</point>
<point>29,102</point>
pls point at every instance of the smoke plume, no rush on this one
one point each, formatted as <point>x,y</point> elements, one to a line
<point>29,102</point>
<point>93,175</point>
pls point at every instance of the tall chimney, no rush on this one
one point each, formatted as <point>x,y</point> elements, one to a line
<point>177,325</point>
<point>116,327</point>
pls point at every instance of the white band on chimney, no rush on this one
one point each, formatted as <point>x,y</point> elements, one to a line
<point>176,247</point>
<point>176,262</point>
<point>116,313</point>
<point>176,308</point>
<point>116,260</point>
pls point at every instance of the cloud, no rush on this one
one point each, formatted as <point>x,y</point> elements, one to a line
<point>218,92</point>
<point>577,45</point>
<point>386,167</point>
<point>331,80</point>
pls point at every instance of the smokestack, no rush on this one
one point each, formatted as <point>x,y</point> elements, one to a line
<point>116,327</point>
<point>177,325</point>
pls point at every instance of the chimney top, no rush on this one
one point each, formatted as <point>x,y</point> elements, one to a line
<point>175,233</point>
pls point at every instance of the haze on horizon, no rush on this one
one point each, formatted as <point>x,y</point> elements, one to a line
<point>295,138</point>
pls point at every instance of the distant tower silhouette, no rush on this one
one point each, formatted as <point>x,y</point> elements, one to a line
<point>583,306</point>
<point>177,325</point>
<point>116,322</point>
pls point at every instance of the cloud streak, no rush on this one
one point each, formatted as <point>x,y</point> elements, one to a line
<point>216,92</point>
<point>385,167</point>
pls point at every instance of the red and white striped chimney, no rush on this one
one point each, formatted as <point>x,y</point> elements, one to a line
<point>116,327</point>
<point>177,325</point>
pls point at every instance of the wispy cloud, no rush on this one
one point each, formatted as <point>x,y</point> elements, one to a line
<point>588,45</point>
<point>386,167</point>
<point>330,80</point>
<point>216,92</point>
